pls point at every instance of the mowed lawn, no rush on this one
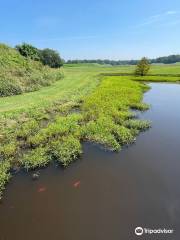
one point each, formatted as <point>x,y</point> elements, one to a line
<point>78,81</point>
<point>74,85</point>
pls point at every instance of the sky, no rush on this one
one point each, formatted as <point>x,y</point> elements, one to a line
<point>94,29</point>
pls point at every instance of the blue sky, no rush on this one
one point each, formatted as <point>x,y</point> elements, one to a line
<point>116,29</point>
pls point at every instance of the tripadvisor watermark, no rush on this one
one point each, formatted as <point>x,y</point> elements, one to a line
<point>140,231</point>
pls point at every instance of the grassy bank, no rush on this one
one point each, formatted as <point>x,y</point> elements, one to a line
<point>50,124</point>
<point>19,74</point>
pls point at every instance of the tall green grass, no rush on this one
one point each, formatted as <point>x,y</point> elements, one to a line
<point>19,74</point>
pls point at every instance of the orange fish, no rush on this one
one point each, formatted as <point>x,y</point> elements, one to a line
<point>41,189</point>
<point>76,184</point>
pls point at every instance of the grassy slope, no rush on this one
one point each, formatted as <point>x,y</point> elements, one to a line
<point>18,74</point>
<point>75,84</point>
<point>34,138</point>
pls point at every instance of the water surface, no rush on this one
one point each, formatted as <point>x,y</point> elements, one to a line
<point>104,196</point>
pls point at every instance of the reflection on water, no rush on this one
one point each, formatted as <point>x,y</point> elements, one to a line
<point>104,196</point>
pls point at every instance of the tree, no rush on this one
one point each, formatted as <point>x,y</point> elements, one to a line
<point>51,58</point>
<point>142,67</point>
<point>29,51</point>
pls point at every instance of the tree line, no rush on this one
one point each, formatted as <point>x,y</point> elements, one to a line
<point>166,60</point>
<point>105,61</point>
<point>52,58</point>
<point>47,56</point>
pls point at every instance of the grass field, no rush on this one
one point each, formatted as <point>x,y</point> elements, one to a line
<point>78,80</point>
<point>50,124</point>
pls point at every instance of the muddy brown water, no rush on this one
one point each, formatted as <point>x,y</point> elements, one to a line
<point>104,196</point>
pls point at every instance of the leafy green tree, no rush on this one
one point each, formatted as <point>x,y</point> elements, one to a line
<point>143,67</point>
<point>51,58</point>
<point>29,51</point>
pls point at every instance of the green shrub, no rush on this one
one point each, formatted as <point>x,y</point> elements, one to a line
<point>101,131</point>
<point>37,139</point>
<point>137,124</point>
<point>67,107</point>
<point>35,158</point>
<point>8,87</point>
<point>27,129</point>
<point>8,150</point>
<point>22,74</point>
<point>120,116</point>
<point>140,106</point>
<point>4,175</point>
<point>29,51</point>
<point>124,135</point>
<point>60,127</point>
<point>65,149</point>
<point>51,58</point>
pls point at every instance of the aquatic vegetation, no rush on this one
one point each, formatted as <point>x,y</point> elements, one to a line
<point>107,112</point>
<point>8,150</point>
<point>60,127</point>
<point>35,158</point>
<point>158,78</point>
<point>27,129</point>
<point>4,175</point>
<point>140,106</point>
<point>68,107</point>
<point>101,131</point>
<point>137,124</point>
<point>65,150</point>
<point>124,135</point>
<point>120,116</point>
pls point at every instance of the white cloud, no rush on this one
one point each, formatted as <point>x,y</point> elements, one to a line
<point>172,23</point>
<point>171,12</point>
<point>162,18</point>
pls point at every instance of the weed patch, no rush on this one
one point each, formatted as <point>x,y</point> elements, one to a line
<point>35,158</point>
<point>65,150</point>
<point>4,175</point>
